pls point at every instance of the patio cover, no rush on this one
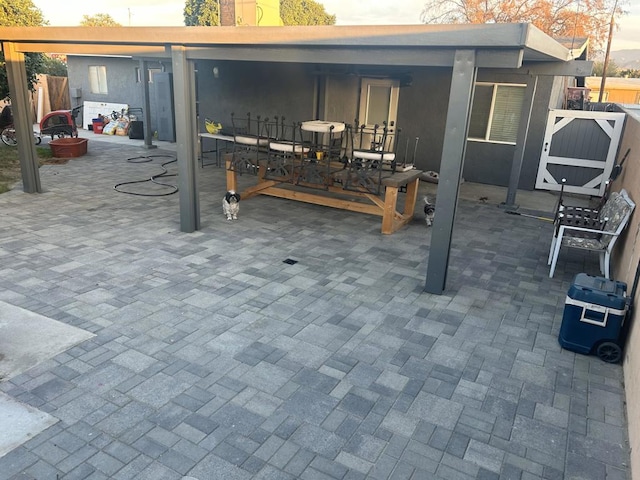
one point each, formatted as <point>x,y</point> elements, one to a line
<point>520,48</point>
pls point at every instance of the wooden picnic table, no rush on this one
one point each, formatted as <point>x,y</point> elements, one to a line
<point>335,196</point>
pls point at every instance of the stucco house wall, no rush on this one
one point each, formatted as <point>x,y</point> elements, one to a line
<point>487,162</point>
<point>422,109</point>
<point>625,260</point>
<point>122,84</point>
<point>289,90</point>
<point>257,88</point>
<point>299,91</point>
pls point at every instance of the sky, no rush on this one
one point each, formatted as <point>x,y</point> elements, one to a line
<point>139,13</point>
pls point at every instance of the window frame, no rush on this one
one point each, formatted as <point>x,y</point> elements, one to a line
<point>150,72</point>
<point>100,76</point>
<point>492,112</point>
<point>363,107</point>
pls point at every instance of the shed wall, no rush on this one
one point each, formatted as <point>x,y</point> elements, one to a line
<point>122,84</point>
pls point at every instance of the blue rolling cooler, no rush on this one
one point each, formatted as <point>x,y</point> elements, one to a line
<point>593,318</point>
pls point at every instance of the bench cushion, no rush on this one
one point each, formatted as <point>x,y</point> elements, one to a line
<point>373,155</point>
<point>321,126</point>
<point>288,147</point>
<point>250,140</point>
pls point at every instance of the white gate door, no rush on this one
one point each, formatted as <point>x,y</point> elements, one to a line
<point>579,146</point>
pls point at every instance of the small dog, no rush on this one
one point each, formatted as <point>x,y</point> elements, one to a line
<point>429,211</point>
<point>231,205</point>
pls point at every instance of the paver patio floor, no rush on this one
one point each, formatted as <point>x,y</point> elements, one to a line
<point>214,359</point>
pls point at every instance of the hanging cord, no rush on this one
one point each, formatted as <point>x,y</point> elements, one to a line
<point>152,179</point>
<point>575,27</point>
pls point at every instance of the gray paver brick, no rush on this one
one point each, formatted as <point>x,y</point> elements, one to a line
<point>436,410</point>
<point>121,452</point>
<point>356,405</point>
<point>201,423</point>
<point>158,471</point>
<point>50,453</point>
<point>485,456</point>
<point>149,447</point>
<point>309,406</point>
<point>366,447</point>
<point>208,355</point>
<point>214,467</point>
<point>269,447</point>
<point>579,466</point>
<point>599,449</point>
<point>77,458</point>
<point>315,380</point>
<point>299,462</point>
<point>318,440</point>
<point>253,465</point>
<point>238,418</point>
<point>535,434</point>
<point>41,469</point>
<point>331,468</point>
<point>402,471</point>
<point>106,463</point>
<point>17,460</point>
<point>313,474</point>
<point>132,469</point>
<point>83,471</point>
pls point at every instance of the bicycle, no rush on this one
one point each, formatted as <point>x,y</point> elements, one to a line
<point>123,115</point>
<point>8,131</point>
<point>8,136</point>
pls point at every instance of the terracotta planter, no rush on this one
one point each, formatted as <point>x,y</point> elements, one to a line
<point>68,147</point>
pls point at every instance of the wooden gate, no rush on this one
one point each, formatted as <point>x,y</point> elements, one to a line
<point>580,146</point>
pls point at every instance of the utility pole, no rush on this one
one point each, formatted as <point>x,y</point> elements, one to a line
<point>605,65</point>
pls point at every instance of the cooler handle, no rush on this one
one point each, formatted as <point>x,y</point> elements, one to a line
<point>595,315</point>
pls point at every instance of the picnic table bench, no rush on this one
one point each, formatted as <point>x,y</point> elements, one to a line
<point>335,196</point>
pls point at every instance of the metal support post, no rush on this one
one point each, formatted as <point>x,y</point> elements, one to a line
<point>186,133</point>
<point>463,79</point>
<point>146,108</point>
<point>18,88</point>
<point>521,141</point>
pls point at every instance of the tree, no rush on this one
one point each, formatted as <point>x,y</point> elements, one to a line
<point>20,13</point>
<point>292,12</point>
<point>557,18</point>
<point>53,66</point>
<point>304,12</point>
<point>612,69</point>
<point>201,12</point>
<point>629,73</point>
<point>98,20</point>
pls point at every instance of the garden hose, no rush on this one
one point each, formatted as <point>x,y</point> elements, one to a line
<point>152,179</point>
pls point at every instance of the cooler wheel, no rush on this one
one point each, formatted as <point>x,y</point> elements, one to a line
<point>609,352</point>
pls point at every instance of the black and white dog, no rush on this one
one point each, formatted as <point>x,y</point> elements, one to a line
<point>231,205</point>
<point>429,211</point>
